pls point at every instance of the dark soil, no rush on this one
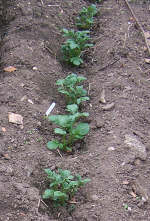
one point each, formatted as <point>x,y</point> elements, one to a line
<point>119,189</point>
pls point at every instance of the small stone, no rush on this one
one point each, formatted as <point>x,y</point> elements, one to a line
<point>39,124</point>
<point>35,68</point>
<point>15,118</point>
<point>23,98</point>
<point>99,123</point>
<point>94,197</point>
<point>136,146</point>
<point>111,148</point>
<point>137,162</point>
<point>22,84</point>
<point>102,97</point>
<point>108,107</point>
<point>30,101</point>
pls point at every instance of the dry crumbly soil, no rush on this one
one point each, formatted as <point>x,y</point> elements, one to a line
<point>116,153</point>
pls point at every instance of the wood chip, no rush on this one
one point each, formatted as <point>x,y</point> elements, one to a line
<point>133,194</point>
<point>15,118</point>
<point>3,129</point>
<point>147,60</point>
<point>10,69</point>
<point>108,106</point>
<point>102,97</point>
<point>125,182</point>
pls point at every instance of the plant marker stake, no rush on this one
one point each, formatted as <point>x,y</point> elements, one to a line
<point>50,109</point>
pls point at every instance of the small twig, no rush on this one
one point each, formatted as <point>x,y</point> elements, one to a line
<point>49,50</point>
<point>125,39</point>
<point>53,5</point>
<point>138,23</point>
<point>59,153</point>
<point>38,204</point>
<point>42,2</point>
<point>44,203</point>
<point>108,65</point>
<point>89,88</point>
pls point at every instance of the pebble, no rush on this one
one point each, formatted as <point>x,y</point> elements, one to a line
<point>111,148</point>
<point>108,107</point>
<point>136,146</point>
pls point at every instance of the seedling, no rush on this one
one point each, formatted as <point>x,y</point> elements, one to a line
<point>76,43</point>
<point>63,186</point>
<point>86,17</point>
<point>69,128</point>
<point>75,94</point>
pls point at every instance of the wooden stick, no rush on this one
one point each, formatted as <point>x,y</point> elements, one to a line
<point>138,23</point>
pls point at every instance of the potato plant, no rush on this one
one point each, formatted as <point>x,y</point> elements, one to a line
<point>71,88</point>
<point>86,17</point>
<point>69,129</point>
<point>63,186</point>
<point>76,43</point>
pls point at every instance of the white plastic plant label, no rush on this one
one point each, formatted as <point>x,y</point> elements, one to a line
<point>50,108</point>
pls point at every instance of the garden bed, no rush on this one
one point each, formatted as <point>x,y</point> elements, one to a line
<point>115,154</point>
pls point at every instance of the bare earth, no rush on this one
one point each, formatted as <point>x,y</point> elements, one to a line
<point>116,153</point>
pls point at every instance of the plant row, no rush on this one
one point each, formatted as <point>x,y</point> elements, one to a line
<point>78,41</point>
<point>70,127</point>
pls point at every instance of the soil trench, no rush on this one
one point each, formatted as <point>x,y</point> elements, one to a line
<point>115,154</point>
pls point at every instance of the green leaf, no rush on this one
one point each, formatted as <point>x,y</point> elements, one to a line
<point>68,149</point>
<point>72,44</point>
<point>65,31</point>
<point>64,121</point>
<point>58,195</point>
<point>76,61</point>
<point>80,91</point>
<point>73,108</point>
<point>60,131</point>
<point>49,172</point>
<point>48,194</point>
<point>81,99</point>
<point>86,181</point>
<point>61,90</point>
<point>81,78</point>
<point>53,145</point>
<point>81,130</point>
<point>64,173</point>
<point>60,82</point>
<point>84,114</point>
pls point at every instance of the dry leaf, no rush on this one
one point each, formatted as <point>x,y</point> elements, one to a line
<point>10,69</point>
<point>147,34</point>
<point>3,129</point>
<point>102,97</point>
<point>6,156</point>
<point>147,60</point>
<point>15,118</point>
<point>125,182</point>
<point>133,194</point>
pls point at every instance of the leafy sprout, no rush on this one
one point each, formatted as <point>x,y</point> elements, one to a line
<point>86,17</point>
<point>71,88</point>
<point>76,43</point>
<point>69,128</point>
<point>63,186</point>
